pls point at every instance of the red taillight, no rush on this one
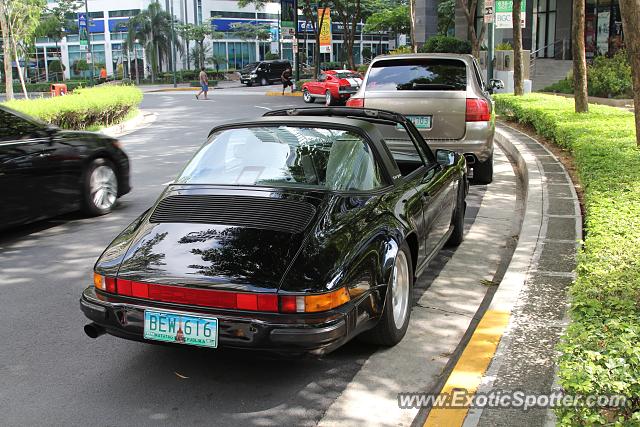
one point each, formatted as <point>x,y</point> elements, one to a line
<point>268,302</point>
<point>355,102</point>
<point>477,110</point>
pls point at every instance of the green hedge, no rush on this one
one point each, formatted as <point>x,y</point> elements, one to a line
<point>445,44</point>
<point>600,352</point>
<point>99,106</point>
<point>44,87</point>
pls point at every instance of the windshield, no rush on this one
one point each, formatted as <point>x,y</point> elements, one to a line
<point>417,74</point>
<point>251,66</point>
<point>347,75</point>
<point>284,156</point>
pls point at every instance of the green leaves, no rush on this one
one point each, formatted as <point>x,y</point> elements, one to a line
<point>600,352</point>
<point>84,108</point>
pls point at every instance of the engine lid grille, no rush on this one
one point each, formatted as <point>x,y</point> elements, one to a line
<point>291,216</point>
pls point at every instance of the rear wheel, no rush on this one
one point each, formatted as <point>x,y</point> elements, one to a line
<point>483,171</point>
<point>397,308</point>
<point>328,99</point>
<point>306,97</point>
<point>457,236</point>
<point>100,187</point>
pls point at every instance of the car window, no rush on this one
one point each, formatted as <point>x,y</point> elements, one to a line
<point>281,156</point>
<point>417,74</point>
<point>348,75</point>
<point>13,127</point>
<point>402,148</point>
<point>322,78</point>
<point>478,75</point>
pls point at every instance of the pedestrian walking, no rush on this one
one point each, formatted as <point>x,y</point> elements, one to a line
<point>204,84</point>
<point>286,80</point>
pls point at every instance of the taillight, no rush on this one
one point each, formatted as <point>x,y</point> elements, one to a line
<point>477,110</point>
<point>266,302</point>
<point>313,303</point>
<point>355,102</point>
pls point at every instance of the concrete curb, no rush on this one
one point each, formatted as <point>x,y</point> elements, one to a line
<point>128,126</point>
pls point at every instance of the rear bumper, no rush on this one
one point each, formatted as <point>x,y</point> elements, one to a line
<point>124,317</point>
<point>477,142</point>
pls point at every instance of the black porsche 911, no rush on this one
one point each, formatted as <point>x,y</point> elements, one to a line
<point>45,171</point>
<point>294,232</point>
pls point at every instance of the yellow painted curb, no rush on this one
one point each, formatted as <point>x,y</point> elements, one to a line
<point>470,368</point>
<point>286,94</point>
<point>175,89</point>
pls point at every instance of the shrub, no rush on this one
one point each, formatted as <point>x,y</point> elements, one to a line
<point>606,78</point>
<point>362,69</point>
<point>610,77</point>
<point>599,352</point>
<point>56,66</point>
<point>79,66</point>
<point>45,86</point>
<point>99,106</point>
<point>331,65</point>
<point>401,50</point>
<point>446,44</point>
<point>269,56</point>
<point>504,46</point>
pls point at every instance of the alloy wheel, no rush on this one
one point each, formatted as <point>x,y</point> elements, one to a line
<point>103,186</point>
<point>400,290</point>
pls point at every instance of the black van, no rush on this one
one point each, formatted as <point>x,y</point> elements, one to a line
<point>263,72</point>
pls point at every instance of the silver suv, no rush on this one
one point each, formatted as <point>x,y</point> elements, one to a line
<point>446,98</point>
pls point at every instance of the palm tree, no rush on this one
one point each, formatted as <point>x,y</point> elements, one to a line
<point>152,27</point>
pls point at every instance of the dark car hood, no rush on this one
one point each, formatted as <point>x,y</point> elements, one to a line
<point>249,249</point>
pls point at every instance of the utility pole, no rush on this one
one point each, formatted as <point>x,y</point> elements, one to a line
<point>173,47</point>
<point>489,18</point>
<point>86,10</point>
<point>296,57</point>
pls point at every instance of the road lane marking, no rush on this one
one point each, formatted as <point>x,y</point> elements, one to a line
<point>473,363</point>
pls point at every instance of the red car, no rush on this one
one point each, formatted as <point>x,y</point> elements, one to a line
<point>333,86</point>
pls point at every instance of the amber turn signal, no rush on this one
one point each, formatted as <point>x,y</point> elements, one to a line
<point>99,282</point>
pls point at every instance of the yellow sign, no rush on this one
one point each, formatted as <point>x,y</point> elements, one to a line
<point>324,23</point>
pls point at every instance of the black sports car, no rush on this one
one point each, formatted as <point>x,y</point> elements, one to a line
<point>45,171</point>
<point>294,232</point>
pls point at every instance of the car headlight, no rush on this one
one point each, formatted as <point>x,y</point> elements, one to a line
<point>253,76</point>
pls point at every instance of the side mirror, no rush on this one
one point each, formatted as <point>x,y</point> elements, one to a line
<point>495,84</point>
<point>446,157</point>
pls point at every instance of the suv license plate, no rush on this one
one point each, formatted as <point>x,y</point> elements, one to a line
<point>181,328</point>
<point>421,122</point>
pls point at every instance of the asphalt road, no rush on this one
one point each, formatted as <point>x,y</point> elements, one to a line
<point>52,374</point>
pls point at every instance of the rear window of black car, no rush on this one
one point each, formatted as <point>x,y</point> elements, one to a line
<point>417,74</point>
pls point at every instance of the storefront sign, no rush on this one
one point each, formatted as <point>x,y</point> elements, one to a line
<point>504,13</point>
<point>287,17</point>
<point>83,25</point>
<point>324,23</point>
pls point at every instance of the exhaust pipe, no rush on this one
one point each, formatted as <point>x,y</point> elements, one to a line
<point>93,330</point>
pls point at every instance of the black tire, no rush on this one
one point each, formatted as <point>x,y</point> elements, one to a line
<point>328,99</point>
<point>306,97</point>
<point>90,205</point>
<point>457,236</point>
<point>483,171</point>
<point>264,81</point>
<point>386,332</point>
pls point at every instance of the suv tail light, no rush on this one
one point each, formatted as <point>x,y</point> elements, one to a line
<point>477,110</point>
<point>355,102</point>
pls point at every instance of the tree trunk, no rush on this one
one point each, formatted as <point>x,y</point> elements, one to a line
<point>412,15</point>
<point>579,58</point>
<point>8,71</point>
<point>630,11</point>
<point>15,51</point>
<point>469,10</point>
<point>518,72</point>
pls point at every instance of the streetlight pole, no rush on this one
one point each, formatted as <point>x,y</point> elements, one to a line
<point>86,10</point>
<point>135,55</point>
<point>295,40</point>
<point>173,47</point>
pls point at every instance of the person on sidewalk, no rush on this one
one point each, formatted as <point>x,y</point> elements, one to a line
<point>286,80</point>
<point>204,84</point>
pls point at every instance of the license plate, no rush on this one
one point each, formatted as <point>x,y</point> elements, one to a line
<point>181,328</point>
<point>421,122</point>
